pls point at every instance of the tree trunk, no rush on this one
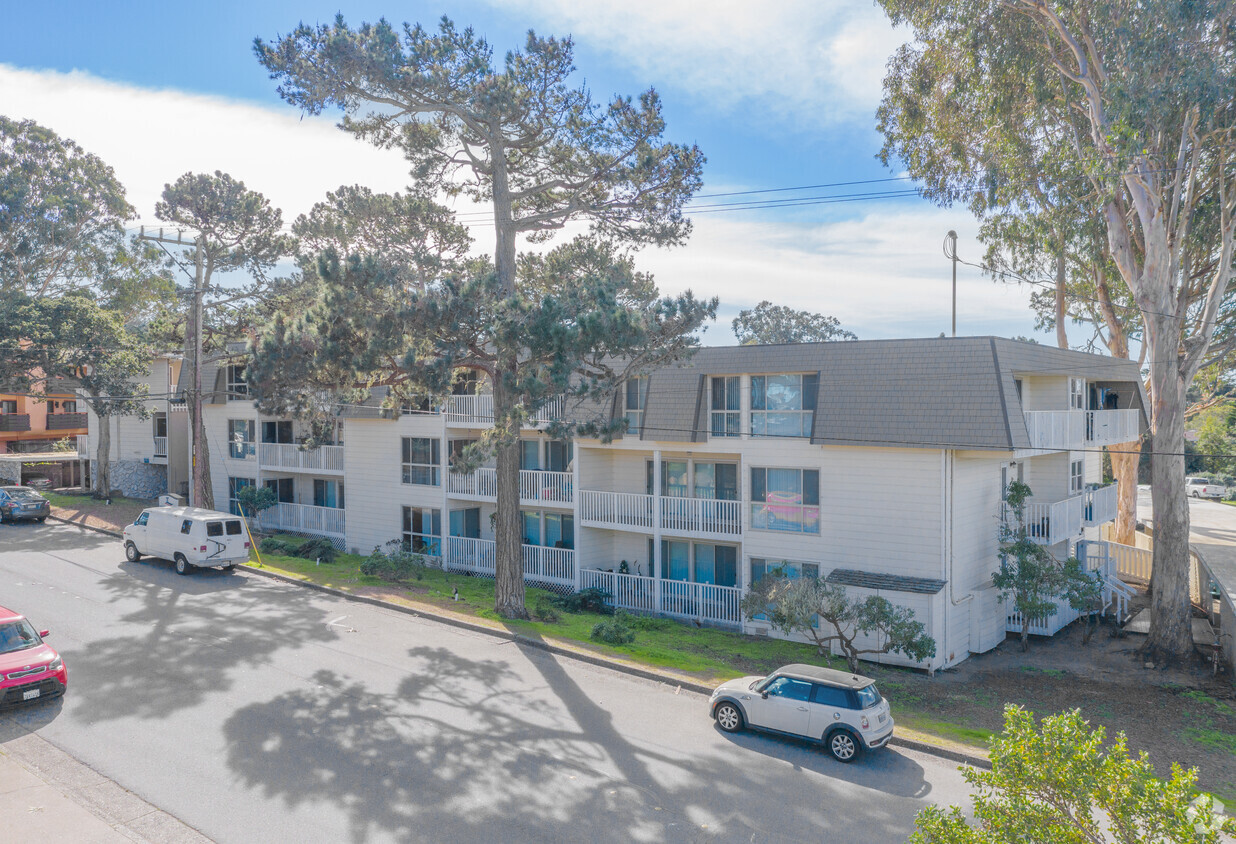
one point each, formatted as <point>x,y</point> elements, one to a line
<point>1125,458</point>
<point>1171,634</point>
<point>102,459</point>
<point>199,469</point>
<point>1062,334</point>
<point>508,532</point>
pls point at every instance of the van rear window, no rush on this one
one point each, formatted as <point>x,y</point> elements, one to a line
<point>233,527</point>
<point>186,526</point>
<point>214,528</point>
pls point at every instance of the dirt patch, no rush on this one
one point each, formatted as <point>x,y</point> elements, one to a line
<point>1183,714</point>
<point>84,510</point>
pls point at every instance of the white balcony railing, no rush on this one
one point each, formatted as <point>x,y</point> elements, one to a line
<point>541,564</point>
<point>535,487</point>
<point>289,457</point>
<point>698,516</point>
<point>479,410</point>
<point>1074,429</point>
<point>678,598</point>
<point>83,445</point>
<point>304,518</point>
<point>1100,505</point>
<point>160,446</point>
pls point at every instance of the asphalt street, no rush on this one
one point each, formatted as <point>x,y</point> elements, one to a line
<point>258,711</point>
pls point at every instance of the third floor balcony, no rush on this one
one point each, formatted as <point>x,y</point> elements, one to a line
<point>704,517</point>
<point>1066,430</point>
<point>554,489</point>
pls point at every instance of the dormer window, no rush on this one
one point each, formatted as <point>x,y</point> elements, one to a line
<point>237,387</point>
<point>726,407</point>
<point>635,397</point>
<point>783,405</point>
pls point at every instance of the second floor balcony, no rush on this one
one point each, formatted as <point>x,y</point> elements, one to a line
<point>65,421</point>
<point>704,517</point>
<point>478,411</point>
<point>14,422</point>
<point>1065,430</point>
<point>289,457</point>
<point>1049,522</point>
<point>554,489</point>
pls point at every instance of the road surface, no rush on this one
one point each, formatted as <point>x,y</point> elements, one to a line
<point>258,711</point>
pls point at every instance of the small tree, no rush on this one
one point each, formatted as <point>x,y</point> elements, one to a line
<point>254,499</point>
<point>1029,576</point>
<point>1084,591</point>
<point>769,323</point>
<point>825,614</point>
<point>1061,784</point>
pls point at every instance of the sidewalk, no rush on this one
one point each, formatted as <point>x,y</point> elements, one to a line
<point>48,796</point>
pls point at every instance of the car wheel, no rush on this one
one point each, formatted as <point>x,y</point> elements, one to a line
<point>182,565</point>
<point>131,552</point>
<point>843,746</point>
<point>728,717</point>
<point>230,568</point>
<point>41,519</point>
<point>1195,495</point>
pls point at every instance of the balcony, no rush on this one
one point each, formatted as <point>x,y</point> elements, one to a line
<point>703,602</point>
<point>704,517</point>
<point>160,447</point>
<point>553,489</point>
<point>14,422</point>
<point>288,457</point>
<point>65,421</point>
<point>304,518</point>
<point>1064,430</point>
<point>83,445</point>
<point>478,411</point>
<point>1049,522</point>
<point>554,566</point>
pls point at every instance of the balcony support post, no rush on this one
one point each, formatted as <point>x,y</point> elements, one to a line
<point>657,562</point>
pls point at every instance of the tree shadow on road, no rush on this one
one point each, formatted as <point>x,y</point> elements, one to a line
<point>193,634</point>
<point>468,749</point>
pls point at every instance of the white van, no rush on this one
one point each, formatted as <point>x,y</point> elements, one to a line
<point>189,537</point>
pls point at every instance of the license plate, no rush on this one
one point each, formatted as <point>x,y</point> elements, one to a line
<point>882,717</point>
<point>30,695</point>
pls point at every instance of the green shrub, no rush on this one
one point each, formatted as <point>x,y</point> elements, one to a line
<point>613,631</point>
<point>544,610</point>
<point>317,549</point>
<point>274,545</point>
<point>586,600</point>
<point>395,564</point>
<point>651,623</point>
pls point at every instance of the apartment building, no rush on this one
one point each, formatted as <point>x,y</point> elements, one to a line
<point>151,455</point>
<point>30,424</point>
<point>879,464</point>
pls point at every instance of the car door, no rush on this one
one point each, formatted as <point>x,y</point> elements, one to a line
<point>137,532</point>
<point>783,705</point>
<point>829,705</point>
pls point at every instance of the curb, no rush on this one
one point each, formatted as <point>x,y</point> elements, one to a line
<point>959,756</point>
<point>65,521</point>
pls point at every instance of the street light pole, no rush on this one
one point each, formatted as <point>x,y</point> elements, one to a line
<point>950,252</point>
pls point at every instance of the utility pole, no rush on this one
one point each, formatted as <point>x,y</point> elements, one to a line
<point>193,340</point>
<point>950,252</point>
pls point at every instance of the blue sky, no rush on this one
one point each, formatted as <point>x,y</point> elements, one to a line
<point>777,96</point>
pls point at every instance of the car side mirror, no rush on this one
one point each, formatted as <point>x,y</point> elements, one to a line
<point>43,634</point>
<point>764,695</point>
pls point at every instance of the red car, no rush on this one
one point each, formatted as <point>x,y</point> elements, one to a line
<point>29,669</point>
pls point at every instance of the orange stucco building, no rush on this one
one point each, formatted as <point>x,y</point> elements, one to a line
<point>28,424</point>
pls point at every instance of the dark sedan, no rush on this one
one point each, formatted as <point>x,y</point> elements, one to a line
<point>21,502</point>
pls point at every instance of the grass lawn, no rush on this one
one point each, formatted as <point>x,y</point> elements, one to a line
<point>704,654</point>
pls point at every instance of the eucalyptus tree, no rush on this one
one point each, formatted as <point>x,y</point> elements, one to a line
<point>241,241</point>
<point>520,138</point>
<point>769,323</point>
<point>1100,99</point>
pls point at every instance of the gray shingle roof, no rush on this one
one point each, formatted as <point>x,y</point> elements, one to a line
<point>886,582</point>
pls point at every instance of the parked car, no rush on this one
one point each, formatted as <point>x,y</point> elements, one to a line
<point>189,537</point>
<point>21,502</point>
<point>39,482</point>
<point>1205,488</point>
<point>842,711</point>
<point>30,669</point>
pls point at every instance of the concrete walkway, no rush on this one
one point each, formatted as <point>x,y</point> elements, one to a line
<point>48,796</point>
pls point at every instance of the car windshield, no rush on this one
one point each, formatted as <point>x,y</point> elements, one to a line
<point>17,636</point>
<point>868,697</point>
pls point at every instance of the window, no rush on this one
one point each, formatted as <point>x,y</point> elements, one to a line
<point>233,527</point>
<point>761,567</point>
<point>69,406</point>
<point>160,425</point>
<point>559,530</point>
<point>717,564</point>
<point>1077,393</point>
<point>532,527</point>
<point>675,559</point>
<point>529,455</point>
<point>831,696</point>
<point>455,449</point>
<point>1076,472</point>
<point>783,405</point>
<point>421,459</point>
<point>868,697</point>
<point>240,438</point>
<point>416,404</point>
<point>726,406</point>
<point>214,528</point>
<point>467,383</point>
<point>716,481</point>
<point>282,488</point>
<point>466,523</point>
<point>8,405</point>
<point>558,455</point>
<point>277,431</point>
<point>237,387</point>
<point>422,529</point>
<point>788,687</point>
<point>785,500</point>
<point>234,486</point>
<point>143,518</point>
<point>186,526</point>
<point>674,478</point>
<point>636,396</point>
<point>327,493</point>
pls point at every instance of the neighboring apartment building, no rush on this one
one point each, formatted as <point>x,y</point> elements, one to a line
<point>149,456</point>
<point>879,464</point>
<point>31,424</point>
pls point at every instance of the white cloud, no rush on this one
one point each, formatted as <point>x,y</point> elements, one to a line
<point>815,63</point>
<point>882,274</point>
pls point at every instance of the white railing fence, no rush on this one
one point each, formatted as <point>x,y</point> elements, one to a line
<point>1050,522</point>
<point>1110,427</point>
<point>548,568</point>
<point>535,487</point>
<point>616,508</point>
<point>703,602</point>
<point>1062,429</point>
<point>306,520</point>
<point>160,446</point>
<point>1133,564</point>
<point>480,409</point>
<point>1101,504</point>
<point>701,515</point>
<point>327,458</point>
<point>83,445</point>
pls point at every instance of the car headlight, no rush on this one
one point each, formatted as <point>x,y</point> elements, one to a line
<point>56,664</point>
